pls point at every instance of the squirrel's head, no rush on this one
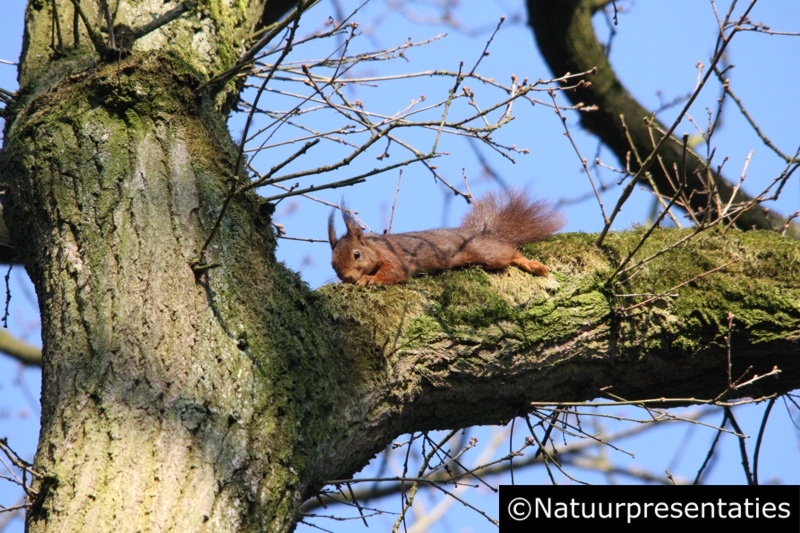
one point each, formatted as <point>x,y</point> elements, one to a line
<point>353,257</point>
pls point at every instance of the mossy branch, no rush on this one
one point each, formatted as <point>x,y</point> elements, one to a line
<point>467,347</point>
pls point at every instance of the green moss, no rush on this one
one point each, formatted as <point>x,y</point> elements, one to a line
<point>474,307</point>
<point>755,285</point>
<point>467,298</point>
<point>422,331</point>
<point>228,19</point>
<point>670,305</point>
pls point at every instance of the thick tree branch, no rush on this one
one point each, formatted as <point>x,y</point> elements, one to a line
<point>469,348</point>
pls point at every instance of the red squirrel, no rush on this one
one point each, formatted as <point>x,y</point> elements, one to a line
<point>488,236</point>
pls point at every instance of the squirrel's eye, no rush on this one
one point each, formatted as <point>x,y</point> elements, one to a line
<point>357,254</point>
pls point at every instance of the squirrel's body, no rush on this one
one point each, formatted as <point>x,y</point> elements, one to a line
<point>488,237</point>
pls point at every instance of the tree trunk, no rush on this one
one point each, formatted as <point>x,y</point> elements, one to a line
<point>160,402</point>
<point>150,382</point>
<point>216,393</point>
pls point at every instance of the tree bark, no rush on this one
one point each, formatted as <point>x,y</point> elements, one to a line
<point>218,399</point>
<point>160,386</point>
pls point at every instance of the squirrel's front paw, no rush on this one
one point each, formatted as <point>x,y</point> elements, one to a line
<point>367,280</point>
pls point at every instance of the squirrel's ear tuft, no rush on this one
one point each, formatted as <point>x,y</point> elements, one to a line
<point>332,231</point>
<point>353,229</point>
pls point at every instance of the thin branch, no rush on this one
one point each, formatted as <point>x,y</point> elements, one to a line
<point>757,452</point>
<point>249,55</point>
<point>584,164</point>
<point>236,168</point>
<point>23,352</point>
<point>97,39</point>
<point>725,41</point>
<point>742,447</point>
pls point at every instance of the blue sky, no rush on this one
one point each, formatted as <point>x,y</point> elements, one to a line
<point>655,51</point>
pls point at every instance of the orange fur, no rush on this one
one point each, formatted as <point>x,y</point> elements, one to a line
<point>488,237</point>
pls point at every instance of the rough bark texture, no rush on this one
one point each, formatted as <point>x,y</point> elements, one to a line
<point>160,388</point>
<point>220,401</point>
<point>149,390</point>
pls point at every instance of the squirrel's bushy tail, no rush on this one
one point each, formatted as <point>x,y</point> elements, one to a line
<point>517,219</point>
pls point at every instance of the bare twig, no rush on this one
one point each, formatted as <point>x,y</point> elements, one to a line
<point>742,447</point>
<point>757,452</point>
<point>723,42</point>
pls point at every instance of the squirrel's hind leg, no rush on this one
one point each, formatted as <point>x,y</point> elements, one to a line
<point>495,255</point>
<point>529,265</point>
